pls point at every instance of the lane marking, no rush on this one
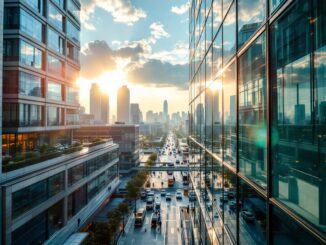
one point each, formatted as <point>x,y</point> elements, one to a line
<point>172,230</point>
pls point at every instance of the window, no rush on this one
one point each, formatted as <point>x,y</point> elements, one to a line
<point>217,16</point>
<point>72,31</point>
<point>251,13</point>
<point>30,85</point>
<point>299,110</point>
<point>29,55</point>
<point>55,41</point>
<point>54,116</point>
<point>75,174</point>
<point>71,73</point>
<point>76,201</point>
<point>29,197</point>
<point>30,25</point>
<point>72,117</point>
<point>54,91</point>
<point>10,114</point>
<point>10,49</point>
<point>55,17</point>
<point>72,95</point>
<point>55,218</point>
<point>230,115</point>
<point>73,9</point>
<point>253,214</point>
<point>217,55</point>
<point>60,3</point>
<point>30,115</point>
<point>274,4</point>
<point>36,5</point>
<point>55,65</point>
<point>229,33</point>
<point>72,52</point>
<point>56,184</point>
<point>252,112</point>
<point>11,18</point>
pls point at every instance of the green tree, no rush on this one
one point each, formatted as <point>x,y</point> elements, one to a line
<point>123,209</point>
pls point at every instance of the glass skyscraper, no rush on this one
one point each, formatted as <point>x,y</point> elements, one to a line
<point>258,121</point>
<point>50,183</point>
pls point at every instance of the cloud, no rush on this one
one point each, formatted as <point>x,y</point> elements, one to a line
<point>180,9</point>
<point>160,74</point>
<point>122,11</point>
<point>177,55</point>
<point>157,30</point>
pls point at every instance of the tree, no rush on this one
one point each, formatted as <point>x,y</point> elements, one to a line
<point>123,209</point>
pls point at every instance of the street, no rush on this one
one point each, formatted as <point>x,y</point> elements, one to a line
<point>169,211</point>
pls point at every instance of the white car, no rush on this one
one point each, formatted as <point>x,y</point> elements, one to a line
<point>178,195</point>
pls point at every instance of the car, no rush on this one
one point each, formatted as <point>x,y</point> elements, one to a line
<point>170,172</point>
<point>168,197</point>
<point>179,194</point>
<point>143,195</point>
<point>247,215</point>
<point>171,164</point>
<point>232,205</point>
<point>139,217</point>
<point>150,194</point>
<point>154,220</point>
<point>192,196</point>
<point>163,193</point>
<point>157,205</point>
<point>150,204</point>
<point>177,161</point>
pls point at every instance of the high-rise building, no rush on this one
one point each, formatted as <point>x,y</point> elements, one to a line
<point>123,105</point>
<point>95,101</point>
<point>259,176</point>
<point>49,184</point>
<point>99,104</point>
<point>134,113</point>
<point>165,110</point>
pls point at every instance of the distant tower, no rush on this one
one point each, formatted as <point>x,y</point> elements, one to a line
<point>95,101</point>
<point>135,113</point>
<point>123,104</point>
<point>105,108</point>
<point>165,110</point>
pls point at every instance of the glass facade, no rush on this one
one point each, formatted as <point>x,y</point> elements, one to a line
<point>30,55</point>
<point>257,121</point>
<point>55,41</point>
<point>55,17</point>
<point>54,91</point>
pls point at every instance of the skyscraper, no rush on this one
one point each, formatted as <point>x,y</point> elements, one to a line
<point>123,105</point>
<point>165,110</point>
<point>46,192</point>
<point>99,104</point>
<point>259,176</point>
<point>134,113</point>
<point>95,101</point>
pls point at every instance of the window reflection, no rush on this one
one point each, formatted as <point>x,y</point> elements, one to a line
<point>229,33</point>
<point>252,216</point>
<point>251,13</point>
<point>55,17</point>
<point>299,102</point>
<point>252,112</point>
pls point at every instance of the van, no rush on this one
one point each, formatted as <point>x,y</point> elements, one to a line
<point>140,216</point>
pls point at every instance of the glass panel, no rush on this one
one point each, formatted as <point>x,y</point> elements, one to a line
<point>55,17</point>
<point>56,184</point>
<point>252,216</point>
<point>287,231</point>
<point>217,16</point>
<point>251,13</point>
<point>30,55</point>
<point>274,4</point>
<point>72,31</point>
<point>55,218</point>
<point>11,18</point>
<point>217,55</point>
<point>55,41</point>
<point>30,115</point>
<point>72,95</point>
<point>75,174</point>
<point>226,5</point>
<point>227,200</point>
<point>54,116</point>
<point>230,115</point>
<point>252,113</point>
<point>216,88</point>
<point>299,101</point>
<point>73,10</point>
<point>229,33</point>
<point>30,25</point>
<point>28,198</point>
<point>10,49</point>
<point>54,91</point>
<point>36,5</point>
<point>30,85</point>
<point>55,66</point>
<point>72,117</point>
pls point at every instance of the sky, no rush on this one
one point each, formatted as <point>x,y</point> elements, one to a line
<point>139,43</point>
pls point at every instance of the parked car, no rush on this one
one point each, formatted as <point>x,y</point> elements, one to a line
<point>163,193</point>
<point>168,197</point>
<point>179,194</point>
<point>150,194</point>
<point>247,215</point>
<point>140,216</point>
<point>149,203</point>
<point>171,164</point>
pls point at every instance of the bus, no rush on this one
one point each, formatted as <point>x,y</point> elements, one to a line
<point>170,180</point>
<point>185,178</point>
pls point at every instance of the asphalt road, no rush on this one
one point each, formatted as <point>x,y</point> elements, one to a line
<point>170,212</point>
